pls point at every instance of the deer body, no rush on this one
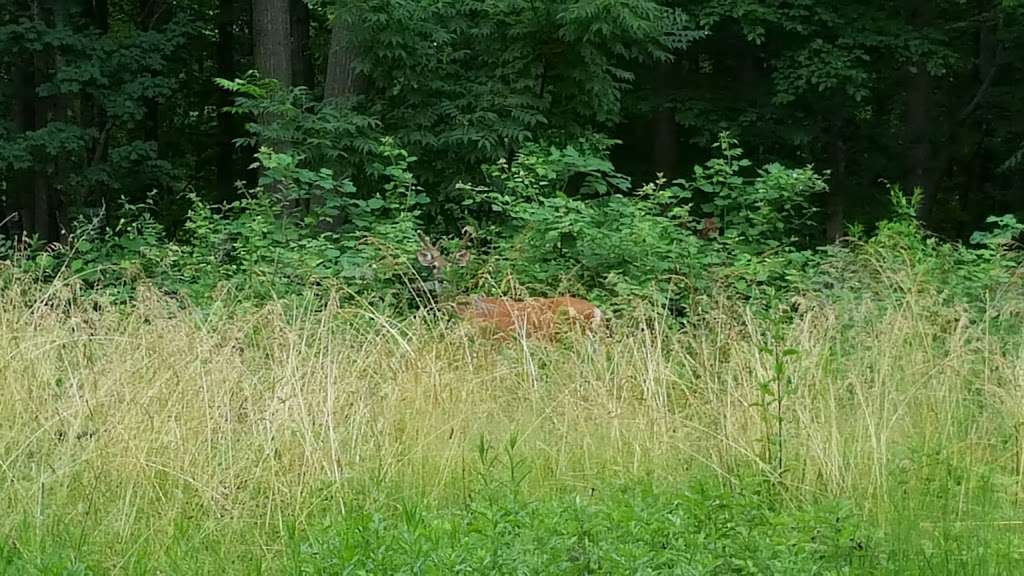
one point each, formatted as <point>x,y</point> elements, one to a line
<point>533,317</point>
<point>539,317</point>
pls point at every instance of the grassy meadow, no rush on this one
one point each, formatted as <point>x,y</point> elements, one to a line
<point>857,435</point>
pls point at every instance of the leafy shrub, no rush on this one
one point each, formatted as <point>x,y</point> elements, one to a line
<point>625,529</point>
<point>467,82</point>
<point>556,219</point>
<point>317,135</point>
<point>618,244</point>
<point>253,250</point>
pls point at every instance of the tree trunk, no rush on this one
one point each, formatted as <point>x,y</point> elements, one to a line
<point>835,202</point>
<point>227,124</point>
<point>302,60</point>
<point>272,52</point>
<point>97,12</point>
<point>969,193</point>
<point>972,193</point>
<point>37,221</point>
<point>152,13</point>
<point>19,197</point>
<point>919,128</point>
<point>42,219</point>
<point>342,79</point>
<point>919,139</point>
<point>302,63</point>
<point>92,114</point>
<point>666,131</point>
<point>271,35</point>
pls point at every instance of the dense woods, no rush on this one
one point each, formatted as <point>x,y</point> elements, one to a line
<point>408,113</point>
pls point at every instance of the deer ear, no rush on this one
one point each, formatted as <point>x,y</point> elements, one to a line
<point>426,257</point>
<point>462,257</point>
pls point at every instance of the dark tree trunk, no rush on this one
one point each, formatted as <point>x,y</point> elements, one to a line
<point>970,193</point>
<point>919,136</point>
<point>342,79</point>
<point>271,31</point>
<point>749,70</point>
<point>152,13</point>
<point>24,116</point>
<point>919,127</point>
<point>973,200</point>
<point>97,13</point>
<point>302,59</point>
<point>151,123</point>
<point>41,217</point>
<point>20,196</point>
<point>965,129</point>
<point>38,221</point>
<point>835,202</point>
<point>244,52</point>
<point>93,115</point>
<point>227,124</point>
<point>271,46</point>
<point>302,62</point>
<point>666,131</point>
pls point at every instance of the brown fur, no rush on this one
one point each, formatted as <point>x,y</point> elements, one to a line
<point>534,317</point>
<point>544,318</point>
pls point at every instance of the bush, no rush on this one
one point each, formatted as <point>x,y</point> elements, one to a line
<point>557,219</point>
<point>257,248</point>
<point>563,219</point>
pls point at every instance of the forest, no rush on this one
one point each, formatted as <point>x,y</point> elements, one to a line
<point>238,239</point>
<point>133,101</point>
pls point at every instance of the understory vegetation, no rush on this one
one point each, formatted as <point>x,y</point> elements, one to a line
<point>869,425</point>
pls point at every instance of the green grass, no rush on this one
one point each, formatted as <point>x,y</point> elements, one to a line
<point>153,439</point>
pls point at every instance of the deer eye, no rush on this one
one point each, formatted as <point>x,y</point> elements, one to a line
<point>426,257</point>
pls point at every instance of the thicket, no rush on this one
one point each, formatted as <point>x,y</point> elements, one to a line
<point>620,150</point>
<point>556,219</point>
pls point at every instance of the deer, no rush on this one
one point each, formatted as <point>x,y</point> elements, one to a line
<point>543,318</point>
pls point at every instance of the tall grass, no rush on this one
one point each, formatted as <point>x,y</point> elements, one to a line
<point>129,430</point>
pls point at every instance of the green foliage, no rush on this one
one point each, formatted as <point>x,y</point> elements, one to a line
<point>493,113</point>
<point>462,83</point>
<point>618,245</point>
<point>247,250</point>
<point>772,210</point>
<point>120,100</point>
<point>557,220</point>
<point>96,150</point>
<point>901,249</point>
<point>322,135</point>
<point>829,83</point>
<point>1006,230</point>
<point>637,528</point>
<point>774,394</point>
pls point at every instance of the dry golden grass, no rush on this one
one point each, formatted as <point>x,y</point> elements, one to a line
<point>132,419</point>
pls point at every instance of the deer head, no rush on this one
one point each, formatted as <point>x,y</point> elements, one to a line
<point>430,255</point>
<point>709,229</point>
